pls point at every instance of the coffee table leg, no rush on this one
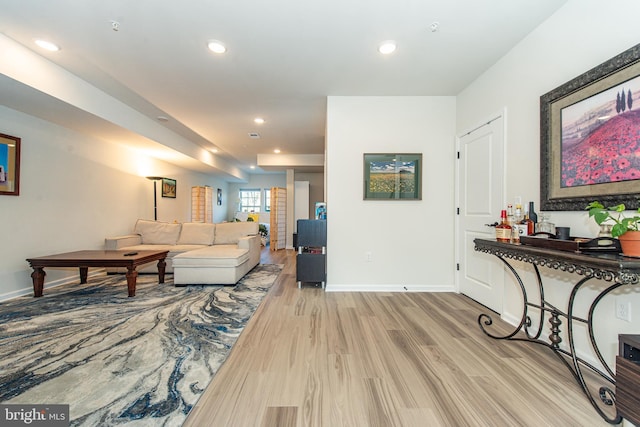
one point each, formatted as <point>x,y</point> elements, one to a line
<point>132,276</point>
<point>83,274</point>
<point>38,281</point>
<point>161,267</point>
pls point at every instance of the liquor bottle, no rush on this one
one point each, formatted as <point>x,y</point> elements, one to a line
<point>503,230</point>
<point>533,216</point>
<point>518,215</point>
<point>530,227</point>
<point>516,226</point>
<point>511,220</point>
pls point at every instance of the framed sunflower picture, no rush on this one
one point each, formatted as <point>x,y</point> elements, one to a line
<point>390,176</point>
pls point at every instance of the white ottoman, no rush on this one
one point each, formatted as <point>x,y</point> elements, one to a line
<point>212,265</point>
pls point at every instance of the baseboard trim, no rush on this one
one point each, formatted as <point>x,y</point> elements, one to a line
<point>388,288</point>
<point>510,319</point>
<point>53,284</point>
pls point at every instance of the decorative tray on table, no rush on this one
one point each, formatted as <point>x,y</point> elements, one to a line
<point>573,244</point>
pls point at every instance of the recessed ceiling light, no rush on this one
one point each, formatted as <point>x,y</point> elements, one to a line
<point>252,167</point>
<point>277,151</point>
<point>216,46</point>
<point>47,45</point>
<point>162,119</point>
<point>387,47</point>
<point>259,120</point>
<point>213,150</point>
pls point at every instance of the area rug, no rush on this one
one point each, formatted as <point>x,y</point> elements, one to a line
<point>141,361</point>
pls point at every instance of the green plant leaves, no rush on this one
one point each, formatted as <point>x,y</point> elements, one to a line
<point>614,214</point>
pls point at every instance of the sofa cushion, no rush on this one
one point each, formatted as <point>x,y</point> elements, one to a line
<point>212,256</point>
<point>132,248</point>
<point>196,233</point>
<point>157,233</point>
<point>228,233</point>
<point>173,249</point>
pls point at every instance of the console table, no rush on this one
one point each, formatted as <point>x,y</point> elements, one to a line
<point>613,269</point>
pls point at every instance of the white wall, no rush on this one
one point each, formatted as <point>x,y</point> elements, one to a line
<point>316,188</point>
<point>75,191</point>
<point>411,242</point>
<point>580,36</point>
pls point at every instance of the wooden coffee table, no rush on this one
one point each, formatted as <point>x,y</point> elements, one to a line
<point>85,259</point>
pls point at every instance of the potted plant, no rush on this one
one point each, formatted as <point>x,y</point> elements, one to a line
<point>262,230</point>
<point>625,228</point>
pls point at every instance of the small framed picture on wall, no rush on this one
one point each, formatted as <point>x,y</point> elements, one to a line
<point>9,165</point>
<point>169,188</point>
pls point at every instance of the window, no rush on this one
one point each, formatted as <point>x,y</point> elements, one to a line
<point>250,200</point>
<point>267,200</point>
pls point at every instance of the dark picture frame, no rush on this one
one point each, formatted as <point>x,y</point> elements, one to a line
<point>219,197</point>
<point>169,188</point>
<point>588,148</point>
<point>9,165</point>
<point>392,176</point>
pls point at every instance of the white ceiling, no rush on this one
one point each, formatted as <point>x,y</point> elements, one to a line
<point>284,58</point>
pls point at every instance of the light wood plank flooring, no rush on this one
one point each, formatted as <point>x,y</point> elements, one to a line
<point>310,358</point>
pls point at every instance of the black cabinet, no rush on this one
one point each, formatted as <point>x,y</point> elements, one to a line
<point>311,261</point>
<point>628,378</point>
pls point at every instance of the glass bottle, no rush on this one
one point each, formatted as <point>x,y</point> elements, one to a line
<point>503,230</point>
<point>516,225</point>
<point>532,214</point>
<point>510,220</point>
<point>529,224</point>
<point>544,226</point>
<point>605,230</point>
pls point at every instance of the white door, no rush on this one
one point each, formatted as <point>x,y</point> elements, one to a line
<point>481,172</point>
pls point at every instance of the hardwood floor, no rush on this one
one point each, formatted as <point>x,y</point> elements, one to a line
<point>315,358</point>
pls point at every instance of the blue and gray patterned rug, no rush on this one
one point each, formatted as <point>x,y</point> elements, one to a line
<point>141,361</point>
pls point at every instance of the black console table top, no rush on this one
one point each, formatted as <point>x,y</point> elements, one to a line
<point>605,266</point>
<point>612,268</point>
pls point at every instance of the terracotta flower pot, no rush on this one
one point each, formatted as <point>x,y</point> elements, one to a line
<point>630,243</point>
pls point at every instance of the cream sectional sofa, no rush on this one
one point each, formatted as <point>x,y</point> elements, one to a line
<point>198,253</point>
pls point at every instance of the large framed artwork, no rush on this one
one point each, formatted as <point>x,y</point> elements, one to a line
<point>9,165</point>
<point>389,176</point>
<point>590,137</point>
<point>169,188</point>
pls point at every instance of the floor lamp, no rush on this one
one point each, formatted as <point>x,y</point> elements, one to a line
<point>155,196</point>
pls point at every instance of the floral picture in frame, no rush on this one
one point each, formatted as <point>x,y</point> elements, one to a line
<point>590,137</point>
